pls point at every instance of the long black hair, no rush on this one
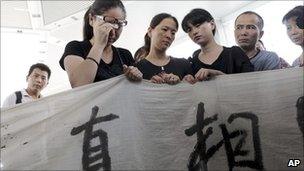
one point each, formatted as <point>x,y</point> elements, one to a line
<point>98,8</point>
<point>154,22</point>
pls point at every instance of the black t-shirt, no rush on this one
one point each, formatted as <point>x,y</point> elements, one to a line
<point>177,66</point>
<point>231,60</point>
<point>105,71</point>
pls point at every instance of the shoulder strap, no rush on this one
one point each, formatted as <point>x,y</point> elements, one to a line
<point>18,97</point>
<point>116,50</point>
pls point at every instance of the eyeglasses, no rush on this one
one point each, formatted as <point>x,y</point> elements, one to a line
<point>117,23</point>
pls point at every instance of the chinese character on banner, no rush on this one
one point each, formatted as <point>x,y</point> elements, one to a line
<point>300,114</point>
<point>200,156</point>
<point>100,152</point>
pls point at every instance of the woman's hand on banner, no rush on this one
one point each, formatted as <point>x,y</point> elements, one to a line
<point>132,73</point>
<point>170,78</point>
<point>190,79</point>
<point>206,74</point>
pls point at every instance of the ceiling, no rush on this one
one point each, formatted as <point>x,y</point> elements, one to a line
<point>62,17</point>
<point>19,14</point>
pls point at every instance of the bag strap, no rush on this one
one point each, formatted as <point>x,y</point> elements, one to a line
<point>19,97</point>
<point>230,62</point>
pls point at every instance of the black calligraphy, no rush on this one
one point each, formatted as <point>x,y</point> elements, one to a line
<point>91,155</point>
<point>200,156</point>
<point>300,114</point>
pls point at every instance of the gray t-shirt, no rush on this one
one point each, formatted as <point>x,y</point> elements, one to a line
<point>265,60</point>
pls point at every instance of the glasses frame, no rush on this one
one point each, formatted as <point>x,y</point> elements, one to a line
<point>120,23</point>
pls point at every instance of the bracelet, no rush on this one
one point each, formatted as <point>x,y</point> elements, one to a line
<point>92,59</point>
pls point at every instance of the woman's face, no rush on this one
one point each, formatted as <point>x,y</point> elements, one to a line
<point>114,16</point>
<point>163,34</point>
<point>294,32</point>
<point>201,34</point>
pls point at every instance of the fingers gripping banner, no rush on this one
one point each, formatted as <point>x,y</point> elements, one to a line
<point>251,121</point>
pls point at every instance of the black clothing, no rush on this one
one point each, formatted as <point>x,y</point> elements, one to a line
<point>105,71</point>
<point>231,60</point>
<point>177,66</point>
<point>18,97</point>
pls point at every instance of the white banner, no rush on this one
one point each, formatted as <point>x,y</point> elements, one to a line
<point>245,121</point>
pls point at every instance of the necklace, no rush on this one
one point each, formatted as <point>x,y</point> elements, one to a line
<point>157,62</point>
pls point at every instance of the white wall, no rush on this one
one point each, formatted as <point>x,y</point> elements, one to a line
<point>18,52</point>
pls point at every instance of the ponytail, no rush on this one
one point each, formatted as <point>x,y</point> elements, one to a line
<point>147,43</point>
<point>87,28</point>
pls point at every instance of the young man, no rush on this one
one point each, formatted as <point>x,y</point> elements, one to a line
<point>248,30</point>
<point>37,79</point>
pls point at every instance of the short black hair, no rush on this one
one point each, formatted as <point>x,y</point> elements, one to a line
<point>260,22</point>
<point>298,13</point>
<point>196,16</point>
<point>40,66</point>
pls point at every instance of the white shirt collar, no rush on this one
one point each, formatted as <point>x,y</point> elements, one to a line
<point>25,94</point>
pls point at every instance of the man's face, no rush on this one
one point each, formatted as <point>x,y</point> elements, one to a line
<point>37,80</point>
<point>247,32</point>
